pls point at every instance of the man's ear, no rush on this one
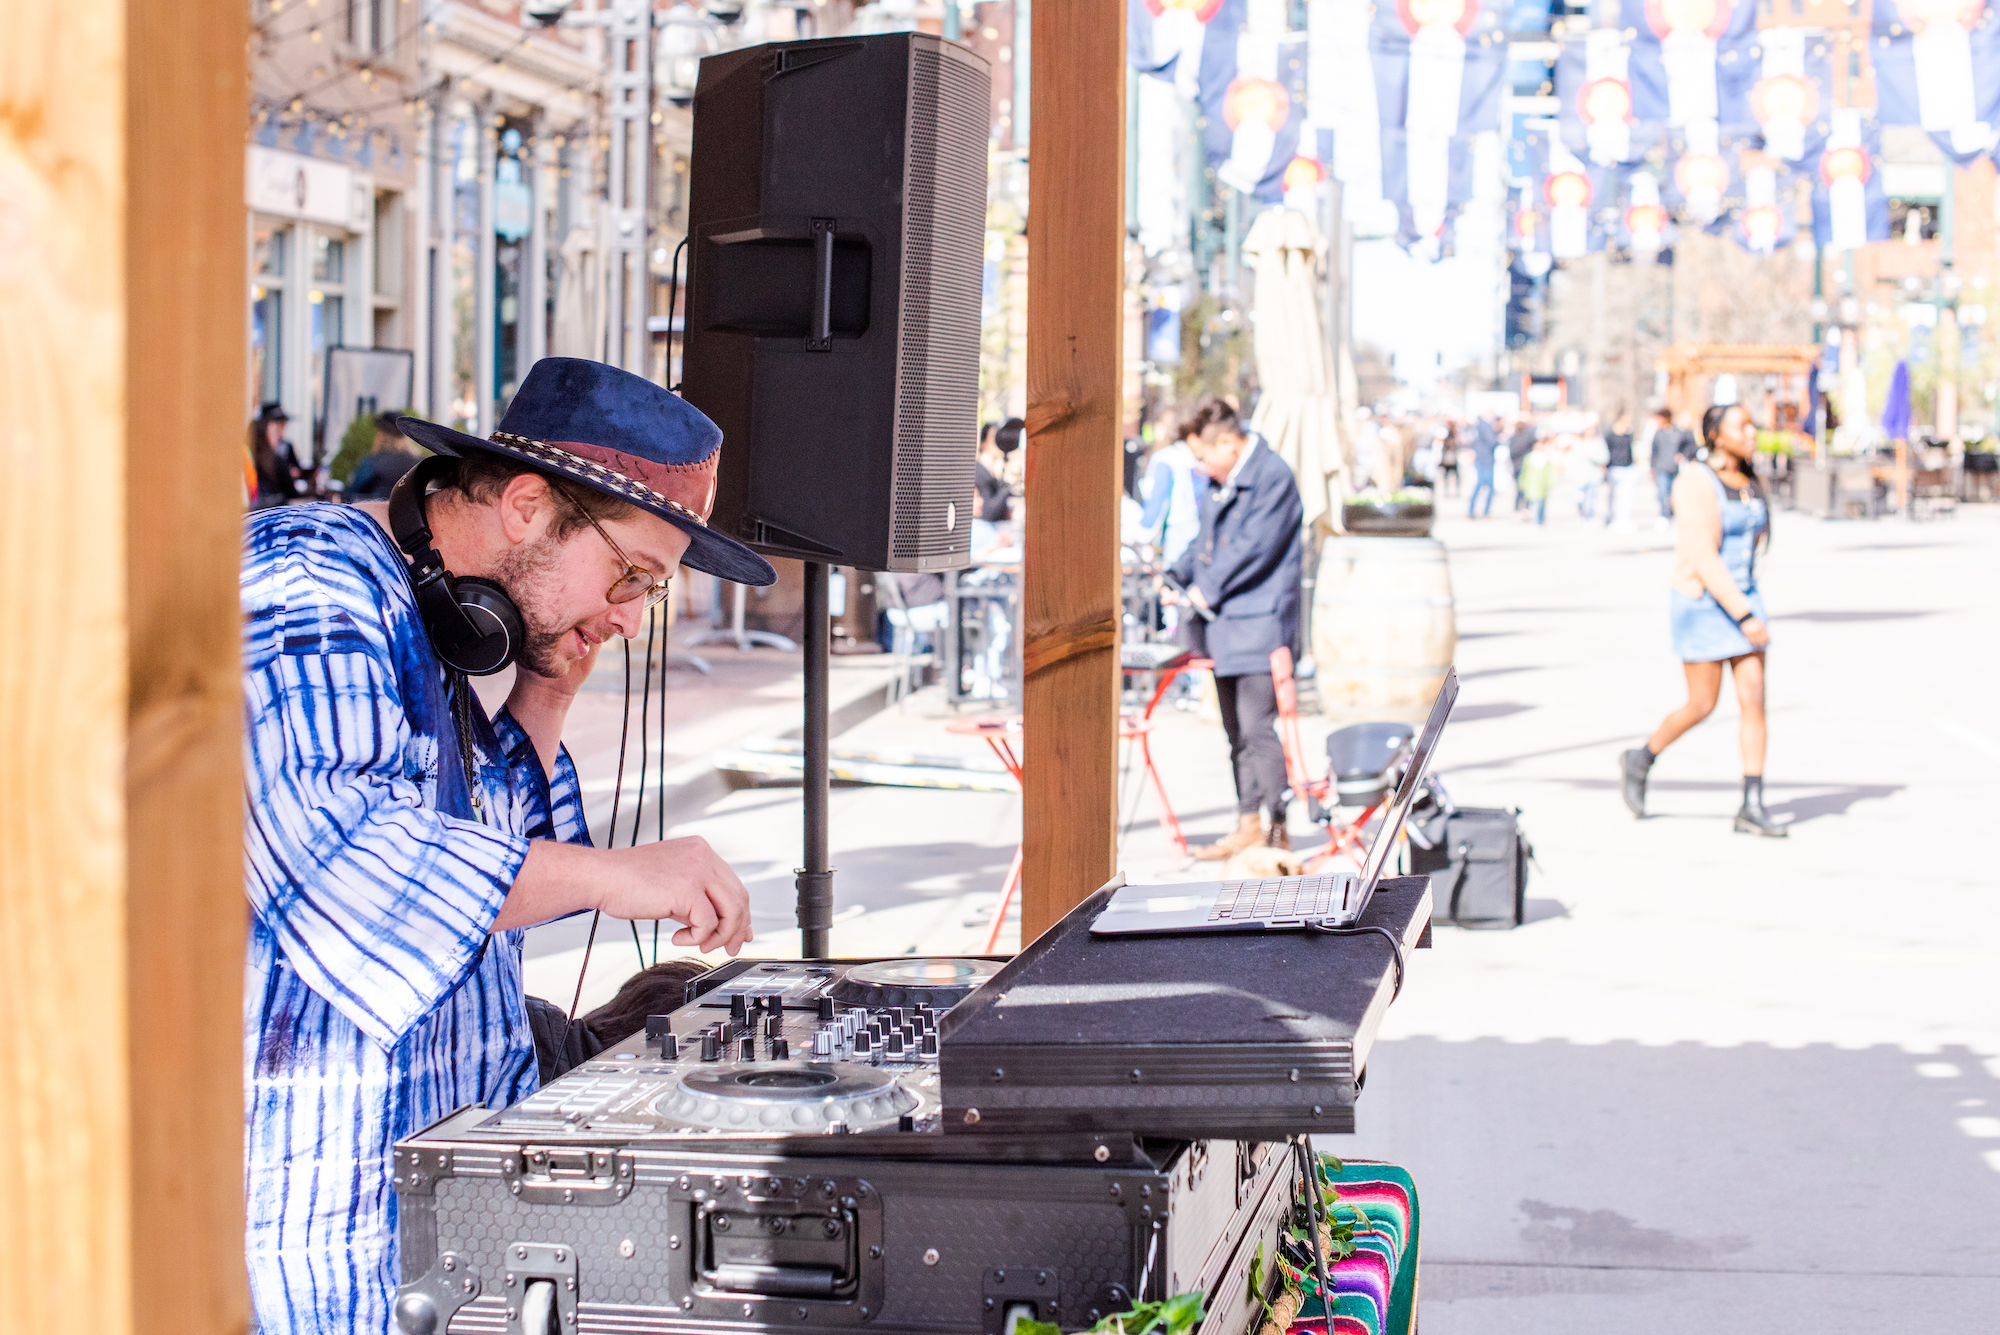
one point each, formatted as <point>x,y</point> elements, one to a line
<point>527,508</point>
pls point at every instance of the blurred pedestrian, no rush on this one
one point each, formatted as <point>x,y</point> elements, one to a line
<point>1670,446</point>
<point>1447,469</point>
<point>1173,514</point>
<point>271,455</point>
<point>1519,446</point>
<point>1618,471</point>
<point>1538,479</point>
<point>1593,456</point>
<point>1720,517</point>
<point>1243,571</point>
<point>379,471</point>
<point>1485,444</point>
<point>995,496</point>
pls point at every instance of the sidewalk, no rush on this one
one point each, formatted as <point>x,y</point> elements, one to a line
<point>1746,1083</point>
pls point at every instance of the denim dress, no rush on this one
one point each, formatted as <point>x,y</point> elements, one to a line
<point>1703,632</point>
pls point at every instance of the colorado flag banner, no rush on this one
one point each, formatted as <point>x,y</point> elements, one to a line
<point>1440,67</point>
<point>1937,65</point>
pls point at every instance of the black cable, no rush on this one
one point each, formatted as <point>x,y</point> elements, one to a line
<point>639,802</point>
<point>660,782</point>
<point>611,826</point>
<point>1315,1209</point>
<point>673,299</point>
<point>645,709</point>
<point>1394,944</point>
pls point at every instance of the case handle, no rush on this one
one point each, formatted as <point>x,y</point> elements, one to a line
<point>820,338</point>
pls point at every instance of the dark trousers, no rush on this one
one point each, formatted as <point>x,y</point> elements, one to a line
<point>1250,717</point>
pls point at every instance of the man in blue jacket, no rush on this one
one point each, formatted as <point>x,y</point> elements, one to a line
<point>1242,575</point>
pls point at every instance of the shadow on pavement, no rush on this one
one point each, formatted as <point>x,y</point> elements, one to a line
<point>1827,799</point>
<point>1838,617</point>
<point>1474,713</point>
<point>1748,1188</point>
<point>1504,671</point>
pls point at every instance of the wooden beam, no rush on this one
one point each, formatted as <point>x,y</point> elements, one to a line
<point>121,912</point>
<point>1070,600</point>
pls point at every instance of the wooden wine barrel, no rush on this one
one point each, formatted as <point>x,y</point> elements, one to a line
<point>1384,627</point>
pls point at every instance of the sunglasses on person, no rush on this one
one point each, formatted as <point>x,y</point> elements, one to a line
<point>637,581</point>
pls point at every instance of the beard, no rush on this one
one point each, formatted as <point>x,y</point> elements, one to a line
<point>526,573</point>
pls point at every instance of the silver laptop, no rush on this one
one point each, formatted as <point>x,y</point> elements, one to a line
<point>1280,903</point>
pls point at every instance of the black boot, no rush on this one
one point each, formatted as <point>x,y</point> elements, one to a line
<point>1752,818</point>
<point>1638,762</point>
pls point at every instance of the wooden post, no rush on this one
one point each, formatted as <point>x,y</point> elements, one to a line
<point>1070,602</point>
<point>122,428</point>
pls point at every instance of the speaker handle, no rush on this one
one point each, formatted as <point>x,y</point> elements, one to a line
<point>820,339</point>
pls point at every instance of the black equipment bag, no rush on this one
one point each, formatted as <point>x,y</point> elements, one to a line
<point>1478,865</point>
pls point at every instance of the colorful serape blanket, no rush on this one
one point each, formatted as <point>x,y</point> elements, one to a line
<point>1375,1290</point>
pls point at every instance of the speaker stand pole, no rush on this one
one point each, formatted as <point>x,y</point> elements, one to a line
<point>815,877</point>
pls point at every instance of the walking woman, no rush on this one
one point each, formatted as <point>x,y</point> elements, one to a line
<point>1718,613</point>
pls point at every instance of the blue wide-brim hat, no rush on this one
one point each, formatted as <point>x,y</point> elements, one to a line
<point>620,434</point>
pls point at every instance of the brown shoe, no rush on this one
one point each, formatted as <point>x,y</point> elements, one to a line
<point>1248,833</point>
<point>1279,837</point>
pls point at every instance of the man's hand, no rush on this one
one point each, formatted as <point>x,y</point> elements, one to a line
<point>684,880</point>
<point>679,879</point>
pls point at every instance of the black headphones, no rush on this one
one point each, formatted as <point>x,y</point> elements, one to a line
<point>474,626</point>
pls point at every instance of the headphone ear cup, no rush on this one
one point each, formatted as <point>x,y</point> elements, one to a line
<point>502,632</point>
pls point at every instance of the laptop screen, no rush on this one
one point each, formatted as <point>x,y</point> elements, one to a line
<point>1413,779</point>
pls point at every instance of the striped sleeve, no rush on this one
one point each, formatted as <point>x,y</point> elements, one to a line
<point>566,801</point>
<point>380,904</point>
<point>554,802</point>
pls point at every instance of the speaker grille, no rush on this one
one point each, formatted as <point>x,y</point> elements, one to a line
<point>937,359</point>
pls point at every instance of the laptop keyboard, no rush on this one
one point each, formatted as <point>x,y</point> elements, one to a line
<point>1279,897</point>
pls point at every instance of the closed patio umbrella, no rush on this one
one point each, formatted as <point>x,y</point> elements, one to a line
<point>1896,424</point>
<point>1300,404</point>
<point>1896,410</point>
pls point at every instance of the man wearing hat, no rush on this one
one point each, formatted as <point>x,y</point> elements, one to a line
<point>397,839</point>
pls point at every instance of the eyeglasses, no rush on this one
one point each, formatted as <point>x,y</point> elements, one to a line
<point>637,581</point>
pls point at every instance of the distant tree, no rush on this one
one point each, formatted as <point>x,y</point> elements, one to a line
<point>1623,314</point>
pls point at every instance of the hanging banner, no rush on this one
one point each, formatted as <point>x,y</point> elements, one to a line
<point>1699,177</point>
<point>1690,59</point>
<point>1594,99</point>
<point>1528,231</point>
<point>1937,65</point>
<point>1164,38</point>
<point>1850,208</point>
<point>1569,193</point>
<point>1252,119</point>
<point>1341,101</point>
<point>1440,68</point>
<point>1646,221</point>
<point>1767,219</point>
<point>1791,101</point>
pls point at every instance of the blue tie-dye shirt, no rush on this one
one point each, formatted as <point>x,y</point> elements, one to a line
<point>375,1001</point>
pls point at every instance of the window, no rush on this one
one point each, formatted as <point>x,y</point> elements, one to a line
<point>1913,220</point>
<point>267,311</point>
<point>371,25</point>
<point>329,309</point>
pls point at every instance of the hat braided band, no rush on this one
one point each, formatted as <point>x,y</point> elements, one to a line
<point>597,473</point>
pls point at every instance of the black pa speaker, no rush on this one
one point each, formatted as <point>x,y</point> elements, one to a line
<point>836,214</point>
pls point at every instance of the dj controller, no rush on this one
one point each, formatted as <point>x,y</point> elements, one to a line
<point>770,1154</point>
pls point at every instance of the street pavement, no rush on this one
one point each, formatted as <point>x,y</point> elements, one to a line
<point>1744,1083</point>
